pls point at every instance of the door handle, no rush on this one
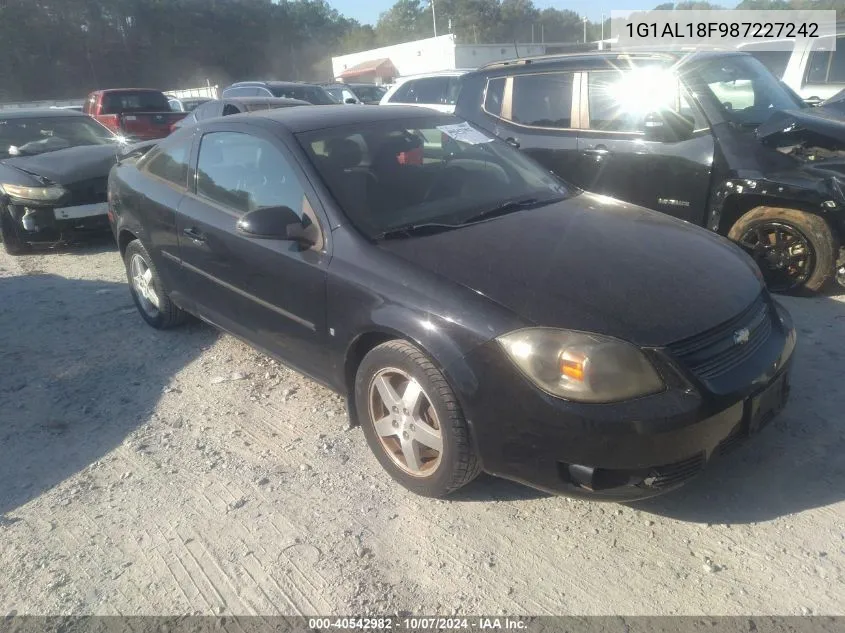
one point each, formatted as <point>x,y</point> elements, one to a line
<point>512,142</point>
<point>194,234</point>
<point>598,150</point>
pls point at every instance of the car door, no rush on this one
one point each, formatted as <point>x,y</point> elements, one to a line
<point>270,292</point>
<point>617,160</point>
<point>165,169</point>
<point>534,112</point>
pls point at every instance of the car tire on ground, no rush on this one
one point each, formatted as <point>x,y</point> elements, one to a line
<point>796,250</point>
<point>12,242</point>
<point>408,411</point>
<point>147,290</point>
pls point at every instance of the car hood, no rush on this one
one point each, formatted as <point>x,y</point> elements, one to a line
<point>67,166</point>
<point>595,264</point>
<point>821,126</point>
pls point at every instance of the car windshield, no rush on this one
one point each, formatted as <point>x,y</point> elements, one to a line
<point>395,175</point>
<point>39,135</point>
<point>312,94</point>
<point>745,89</point>
<point>369,93</point>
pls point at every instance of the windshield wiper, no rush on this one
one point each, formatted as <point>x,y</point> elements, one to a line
<point>509,207</point>
<point>428,228</point>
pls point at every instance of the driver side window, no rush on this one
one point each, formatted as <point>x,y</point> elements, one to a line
<point>617,106</point>
<point>244,173</point>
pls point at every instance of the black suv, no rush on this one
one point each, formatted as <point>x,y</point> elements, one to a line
<point>311,93</point>
<point>710,137</point>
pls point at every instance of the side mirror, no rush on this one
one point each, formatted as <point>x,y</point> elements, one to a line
<point>351,101</point>
<point>667,127</point>
<point>277,223</point>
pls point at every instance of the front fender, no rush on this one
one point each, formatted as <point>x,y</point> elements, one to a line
<point>823,196</point>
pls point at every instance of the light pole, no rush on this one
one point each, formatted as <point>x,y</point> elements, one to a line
<point>585,29</point>
<point>434,18</point>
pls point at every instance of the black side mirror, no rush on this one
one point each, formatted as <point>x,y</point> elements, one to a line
<point>352,100</point>
<point>667,127</point>
<point>277,223</point>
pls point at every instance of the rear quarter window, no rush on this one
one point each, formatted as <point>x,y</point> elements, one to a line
<point>494,95</point>
<point>169,161</point>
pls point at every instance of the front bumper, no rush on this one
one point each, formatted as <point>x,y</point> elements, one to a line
<point>49,224</point>
<point>622,451</point>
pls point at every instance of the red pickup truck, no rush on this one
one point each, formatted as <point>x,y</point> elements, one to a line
<point>137,113</point>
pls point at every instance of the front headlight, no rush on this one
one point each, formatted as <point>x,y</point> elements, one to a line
<point>39,194</point>
<point>581,367</point>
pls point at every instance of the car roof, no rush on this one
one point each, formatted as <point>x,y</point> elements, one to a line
<point>279,84</point>
<point>107,90</point>
<point>596,59</point>
<point>440,73</point>
<point>317,117</point>
<point>40,113</point>
<point>265,100</point>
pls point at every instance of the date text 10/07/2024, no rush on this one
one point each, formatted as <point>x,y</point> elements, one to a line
<point>752,30</point>
<point>418,624</point>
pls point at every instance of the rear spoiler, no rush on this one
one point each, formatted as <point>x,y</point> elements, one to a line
<point>135,150</point>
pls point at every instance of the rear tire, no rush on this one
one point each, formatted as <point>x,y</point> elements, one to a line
<point>12,242</point>
<point>408,411</point>
<point>148,291</point>
<point>796,250</point>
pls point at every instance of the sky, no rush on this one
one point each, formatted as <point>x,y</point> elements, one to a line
<point>367,11</point>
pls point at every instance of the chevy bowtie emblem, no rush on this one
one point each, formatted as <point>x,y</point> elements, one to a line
<point>741,336</point>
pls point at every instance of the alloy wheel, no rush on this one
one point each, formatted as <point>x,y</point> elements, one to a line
<point>405,421</point>
<point>144,285</point>
<point>784,253</point>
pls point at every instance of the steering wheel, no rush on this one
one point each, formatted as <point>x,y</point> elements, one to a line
<point>445,179</point>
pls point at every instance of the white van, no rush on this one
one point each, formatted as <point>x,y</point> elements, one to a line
<point>813,73</point>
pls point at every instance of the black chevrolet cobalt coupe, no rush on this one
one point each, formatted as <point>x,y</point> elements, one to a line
<point>478,313</point>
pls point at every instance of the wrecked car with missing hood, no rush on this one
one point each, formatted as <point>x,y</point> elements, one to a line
<point>54,168</point>
<point>709,137</point>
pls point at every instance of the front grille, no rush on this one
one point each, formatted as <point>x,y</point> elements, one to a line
<point>87,191</point>
<point>675,474</point>
<point>717,351</point>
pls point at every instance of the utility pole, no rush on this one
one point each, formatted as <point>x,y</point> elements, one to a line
<point>602,28</point>
<point>434,18</point>
<point>585,29</point>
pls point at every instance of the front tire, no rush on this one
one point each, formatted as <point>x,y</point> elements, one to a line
<point>148,291</point>
<point>12,242</point>
<point>413,422</point>
<point>795,250</point>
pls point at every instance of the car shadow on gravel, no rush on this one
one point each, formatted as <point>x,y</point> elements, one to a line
<point>79,245</point>
<point>79,371</point>
<point>798,462</point>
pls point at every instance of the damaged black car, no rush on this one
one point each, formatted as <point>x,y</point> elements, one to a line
<point>712,138</point>
<point>54,167</point>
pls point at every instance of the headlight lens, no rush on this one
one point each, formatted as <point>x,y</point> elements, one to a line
<point>581,367</point>
<point>41,194</point>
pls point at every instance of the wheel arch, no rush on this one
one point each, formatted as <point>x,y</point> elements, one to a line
<point>124,237</point>
<point>443,351</point>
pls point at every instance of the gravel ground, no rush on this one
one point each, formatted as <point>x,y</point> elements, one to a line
<point>181,472</point>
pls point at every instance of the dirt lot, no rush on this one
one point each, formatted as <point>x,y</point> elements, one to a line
<point>182,472</point>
